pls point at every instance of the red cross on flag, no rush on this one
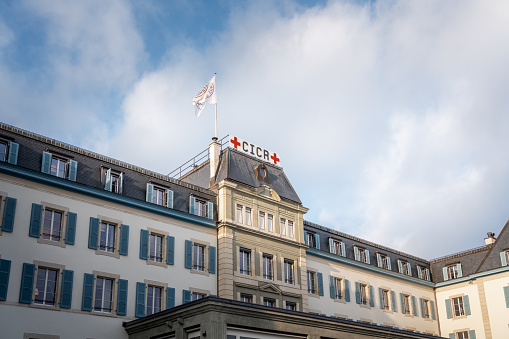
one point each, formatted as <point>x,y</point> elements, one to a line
<point>207,94</point>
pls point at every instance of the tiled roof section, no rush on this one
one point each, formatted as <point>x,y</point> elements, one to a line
<point>460,254</point>
<point>102,158</point>
<point>364,242</point>
<point>492,259</point>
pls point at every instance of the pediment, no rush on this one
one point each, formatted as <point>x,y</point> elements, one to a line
<point>269,287</point>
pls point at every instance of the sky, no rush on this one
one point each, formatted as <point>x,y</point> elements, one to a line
<point>390,117</point>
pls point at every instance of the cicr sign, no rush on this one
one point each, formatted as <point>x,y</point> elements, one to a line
<point>253,150</point>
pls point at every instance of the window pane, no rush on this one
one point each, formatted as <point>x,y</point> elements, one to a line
<point>270,225</point>
<point>3,151</point>
<point>261,220</point>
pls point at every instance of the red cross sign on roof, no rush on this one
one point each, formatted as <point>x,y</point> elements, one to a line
<point>253,150</point>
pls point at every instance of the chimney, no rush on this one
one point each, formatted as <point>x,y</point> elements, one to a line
<point>490,239</point>
<point>214,151</point>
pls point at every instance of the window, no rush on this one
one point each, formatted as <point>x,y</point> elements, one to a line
<point>290,229</point>
<point>46,286</point>
<point>336,286</point>
<point>245,261</point>
<point>248,216</point>
<point>270,224</point>
<point>336,247</point>
<point>452,272</point>
<point>112,180</point>
<point>457,307</point>
<point>58,166</point>
<point>156,248</point>
<point>261,220</point>
<point>200,208</point>
<point>423,273</point>
<point>361,254</point>
<point>310,239</point>
<point>158,196</point>
<point>239,214</point>
<point>52,225</point>
<point>198,257</point>
<point>283,226</point>
<point>311,282</point>
<point>288,268</point>
<point>385,299</point>
<point>154,299</point>
<point>404,267</point>
<point>3,150</point>
<point>267,266</point>
<point>246,298</point>
<point>9,151</point>
<point>291,306</point>
<point>462,335</point>
<point>269,302</point>
<point>103,301</point>
<point>363,293</point>
<point>107,237</point>
<point>425,306</point>
<point>383,261</point>
<point>406,299</point>
<point>197,296</point>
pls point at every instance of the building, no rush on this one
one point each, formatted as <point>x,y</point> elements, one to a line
<point>220,249</point>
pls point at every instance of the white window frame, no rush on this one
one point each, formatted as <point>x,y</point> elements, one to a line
<point>60,161</point>
<point>6,154</point>
<point>312,282</point>
<point>338,290</point>
<point>116,179</point>
<point>289,269</point>
<point>462,335</point>
<point>52,224</point>
<point>386,299</point>
<point>152,309</point>
<point>291,233</point>
<point>458,309</point>
<point>103,294</point>
<point>108,236</point>
<point>246,298</point>
<point>55,293</point>
<point>290,306</point>
<point>240,212</point>
<point>272,302</point>
<point>200,207</point>
<point>249,216</point>
<point>363,292</point>
<point>197,296</point>
<point>198,257</point>
<point>261,220</point>
<point>270,223</point>
<point>153,248</point>
<point>245,261</point>
<point>268,266</point>
<point>452,271</point>
<point>282,223</point>
<point>406,298</point>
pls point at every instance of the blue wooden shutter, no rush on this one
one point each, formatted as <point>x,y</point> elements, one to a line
<point>70,230</point>
<point>381,296</point>
<point>444,273</point>
<point>379,260</point>
<point>170,297</point>
<point>414,306</point>
<point>73,170</point>
<point>368,260</point>
<point>189,254</point>
<point>389,264</point>
<point>169,198</point>
<point>409,269</point>
<point>5,271</point>
<point>347,290</point>
<point>170,250</point>
<point>460,272</point>
<point>331,246</point>
<point>394,303</point>
<point>320,283</point>
<point>186,296</point>
<point>144,238</point>
<point>93,233</point>
<point>503,258</point>
<point>46,162</point>
<point>212,259</point>
<point>400,266</point>
<point>422,307</point>
<point>13,153</point>
<point>306,238</point>
<point>343,249</point>
<point>427,275</point>
<point>210,210</point>
<point>357,293</point>
<point>122,297</point>
<point>66,295</point>
<point>35,221</point>
<point>88,291</point>
<point>107,181</point>
<point>371,296</point>
<point>448,308</point>
<point>120,183</point>
<point>452,336</point>
<point>192,201</point>
<point>356,253</point>
<point>402,299</point>
<point>466,304</point>
<point>471,334</point>
<point>432,306</point>
<point>419,273</point>
<point>332,289</point>
<point>317,241</point>
<point>506,294</point>
<point>150,192</point>
<point>27,283</point>
<point>124,240</point>
<point>9,213</point>
<point>140,300</point>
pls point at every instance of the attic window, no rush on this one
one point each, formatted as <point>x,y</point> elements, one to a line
<point>262,174</point>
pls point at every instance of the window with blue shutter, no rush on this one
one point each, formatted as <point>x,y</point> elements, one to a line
<point>27,283</point>
<point>332,288</point>
<point>381,297</point>
<point>357,293</point>
<point>93,233</point>
<point>402,299</point>
<point>432,306</point>
<point>371,296</point>
<point>347,290</point>
<point>186,296</point>
<point>400,266</point>
<point>169,198</point>
<point>67,282</point>
<point>445,274</point>
<point>422,308</point>
<point>73,170</point>
<point>170,250</point>
<point>189,254</point>
<point>471,334</point>
<point>466,304</point>
<point>35,221</point>
<point>124,240</point>
<point>452,336</point>
<point>70,230</point>
<point>394,302</point>
<point>379,260</point>
<point>144,238</point>
<point>192,202</point>
<point>317,241</point>
<point>170,297</point>
<point>414,306</point>
<point>150,192</point>
<point>122,297</point>
<point>13,153</point>
<point>120,183</point>
<point>389,263</point>
<point>506,294</point>
<point>331,246</point>
<point>320,283</point>
<point>368,260</point>
<point>503,258</point>
<point>448,308</point>
<point>88,291</point>
<point>5,271</point>
<point>210,210</point>
<point>46,162</point>
<point>9,213</point>
<point>140,300</point>
<point>356,253</point>
<point>212,259</point>
<point>460,272</point>
<point>343,249</point>
<point>107,181</point>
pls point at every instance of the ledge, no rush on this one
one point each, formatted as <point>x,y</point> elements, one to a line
<point>472,277</point>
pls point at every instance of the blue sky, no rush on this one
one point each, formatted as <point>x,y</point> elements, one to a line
<point>390,117</point>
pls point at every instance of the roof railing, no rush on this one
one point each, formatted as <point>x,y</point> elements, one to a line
<point>196,161</point>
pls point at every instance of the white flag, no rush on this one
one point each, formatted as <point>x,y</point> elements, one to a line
<point>207,94</point>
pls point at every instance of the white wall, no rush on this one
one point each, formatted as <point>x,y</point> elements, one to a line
<point>497,310</point>
<point>20,248</point>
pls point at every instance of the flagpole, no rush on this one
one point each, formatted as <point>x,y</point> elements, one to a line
<point>215,74</point>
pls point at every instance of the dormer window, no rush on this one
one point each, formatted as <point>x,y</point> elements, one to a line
<point>404,267</point>
<point>423,273</point>
<point>59,166</point>
<point>262,173</point>
<point>9,151</point>
<point>337,247</point>
<point>159,195</point>
<point>452,271</point>
<point>383,261</point>
<point>312,239</point>
<point>112,180</point>
<point>361,254</point>
<point>201,207</point>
